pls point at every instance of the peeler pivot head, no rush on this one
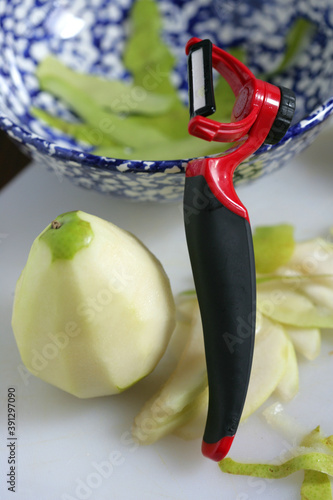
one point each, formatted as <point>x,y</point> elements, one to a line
<point>258,104</point>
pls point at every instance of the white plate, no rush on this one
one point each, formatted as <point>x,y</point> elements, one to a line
<point>64,445</point>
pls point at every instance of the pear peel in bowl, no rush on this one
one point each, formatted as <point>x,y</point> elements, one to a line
<point>280,42</point>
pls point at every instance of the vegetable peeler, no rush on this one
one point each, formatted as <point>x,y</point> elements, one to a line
<point>218,231</point>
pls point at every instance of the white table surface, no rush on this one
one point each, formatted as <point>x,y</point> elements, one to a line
<point>61,440</point>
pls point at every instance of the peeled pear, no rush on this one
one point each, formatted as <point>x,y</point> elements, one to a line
<point>93,309</point>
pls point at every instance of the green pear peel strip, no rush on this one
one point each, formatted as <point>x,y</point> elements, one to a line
<point>112,95</point>
<point>147,56</point>
<point>288,386</point>
<point>316,465</point>
<point>312,257</point>
<point>299,36</point>
<point>315,438</point>
<point>124,131</point>
<point>307,341</point>
<point>160,421</point>
<point>105,145</point>
<point>80,131</point>
<point>177,399</point>
<point>273,246</point>
<point>188,147</point>
<point>287,306</point>
<point>292,279</point>
<point>316,486</point>
<point>150,62</point>
<point>309,461</point>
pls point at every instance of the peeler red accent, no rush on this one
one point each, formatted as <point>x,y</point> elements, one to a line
<point>218,229</point>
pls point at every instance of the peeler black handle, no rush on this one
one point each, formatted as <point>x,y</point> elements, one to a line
<point>222,259</point>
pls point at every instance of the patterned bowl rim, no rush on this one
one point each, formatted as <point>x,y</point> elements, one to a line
<point>35,142</point>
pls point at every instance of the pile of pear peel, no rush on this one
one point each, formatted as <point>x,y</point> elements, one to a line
<point>294,302</point>
<point>94,313</point>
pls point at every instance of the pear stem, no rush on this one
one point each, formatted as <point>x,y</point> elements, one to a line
<point>55,224</point>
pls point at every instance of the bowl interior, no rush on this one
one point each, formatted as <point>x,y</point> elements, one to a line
<point>286,41</point>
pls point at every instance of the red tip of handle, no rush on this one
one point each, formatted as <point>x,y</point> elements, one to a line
<point>217,451</point>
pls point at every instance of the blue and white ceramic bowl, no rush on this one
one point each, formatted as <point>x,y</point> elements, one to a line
<point>90,36</point>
